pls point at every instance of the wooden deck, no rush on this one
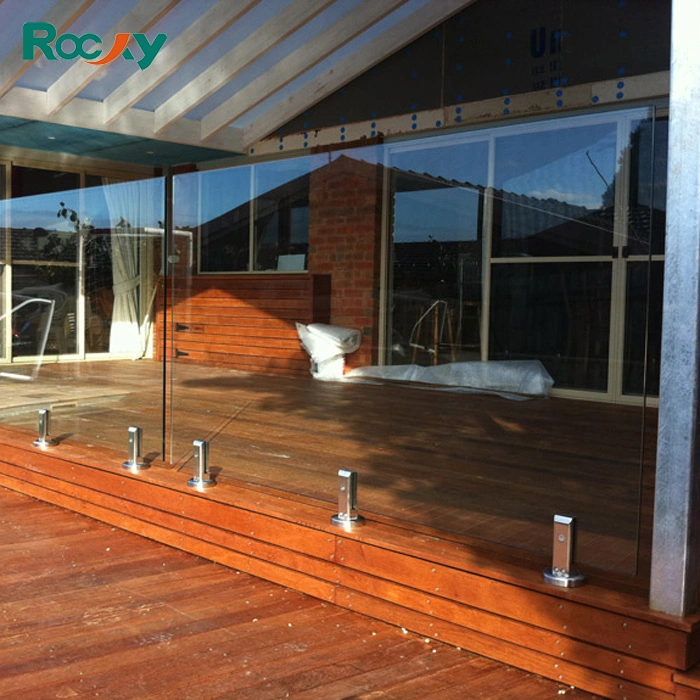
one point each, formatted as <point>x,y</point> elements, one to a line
<point>90,610</point>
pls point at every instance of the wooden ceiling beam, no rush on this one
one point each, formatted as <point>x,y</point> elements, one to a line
<point>282,25</point>
<point>298,62</point>
<point>196,37</point>
<point>144,16</point>
<point>61,15</point>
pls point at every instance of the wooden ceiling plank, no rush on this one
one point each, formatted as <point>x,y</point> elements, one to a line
<point>62,15</point>
<point>140,19</point>
<point>26,103</point>
<point>323,45</point>
<point>200,34</point>
<point>253,47</point>
<point>414,26</point>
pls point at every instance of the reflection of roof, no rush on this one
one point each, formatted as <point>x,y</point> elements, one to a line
<point>551,227</point>
<point>266,204</point>
<point>423,258</point>
<point>29,243</point>
<point>529,225</point>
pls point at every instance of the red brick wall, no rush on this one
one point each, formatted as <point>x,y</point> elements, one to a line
<point>247,321</point>
<point>244,322</point>
<point>344,242</point>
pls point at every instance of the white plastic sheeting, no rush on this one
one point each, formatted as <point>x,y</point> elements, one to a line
<point>327,347</point>
<point>509,378</point>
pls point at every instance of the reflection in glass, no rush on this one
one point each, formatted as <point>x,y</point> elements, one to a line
<point>217,203</point>
<point>438,199</point>
<point>476,464</point>
<point>99,290</point>
<point>645,286</point>
<point>555,191</point>
<point>135,211</point>
<point>647,200</point>
<point>46,227</point>
<point>282,214</point>
<point>558,313</point>
<point>57,283</point>
<point>100,235</point>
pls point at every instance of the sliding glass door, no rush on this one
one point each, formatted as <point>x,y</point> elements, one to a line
<point>437,220</point>
<point>539,241</point>
<point>77,266</point>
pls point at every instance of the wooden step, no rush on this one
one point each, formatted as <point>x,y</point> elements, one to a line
<point>452,590</point>
<point>688,684</point>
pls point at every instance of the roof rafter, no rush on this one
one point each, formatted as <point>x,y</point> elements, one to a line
<point>140,19</point>
<point>61,15</point>
<point>207,27</point>
<point>257,44</point>
<point>338,34</point>
<point>406,31</point>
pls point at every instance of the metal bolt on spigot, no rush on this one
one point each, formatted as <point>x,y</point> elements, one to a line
<point>135,462</point>
<point>202,479</point>
<point>44,439</point>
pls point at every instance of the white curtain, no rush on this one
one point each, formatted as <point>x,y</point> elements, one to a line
<point>128,204</point>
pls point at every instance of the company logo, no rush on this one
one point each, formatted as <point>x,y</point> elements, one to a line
<point>42,36</point>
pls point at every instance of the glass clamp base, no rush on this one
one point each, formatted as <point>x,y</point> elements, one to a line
<point>347,523</point>
<point>135,466</point>
<point>200,484</point>
<point>44,442</point>
<point>564,579</point>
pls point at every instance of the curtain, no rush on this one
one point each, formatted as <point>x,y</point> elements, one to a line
<point>128,204</point>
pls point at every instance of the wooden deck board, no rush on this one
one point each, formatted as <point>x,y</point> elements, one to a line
<point>104,611</point>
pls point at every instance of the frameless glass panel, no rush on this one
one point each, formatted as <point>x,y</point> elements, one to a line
<point>121,252</point>
<point>557,313</point>
<point>205,318</point>
<point>282,215</point>
<point>555,190</point>
<point>217,205</point>
<point>46,227</point>
<point>647,198</point>
<point>438,196</point>
<point>486,435</point>
<point>239,376</point>
<point>55,283</point>
<point>5,296</point>
<point>642,363</point>
<point>85,273</point>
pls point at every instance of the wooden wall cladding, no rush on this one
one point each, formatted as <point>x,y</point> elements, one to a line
<point>243,322</point>
<point>606,642</point>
